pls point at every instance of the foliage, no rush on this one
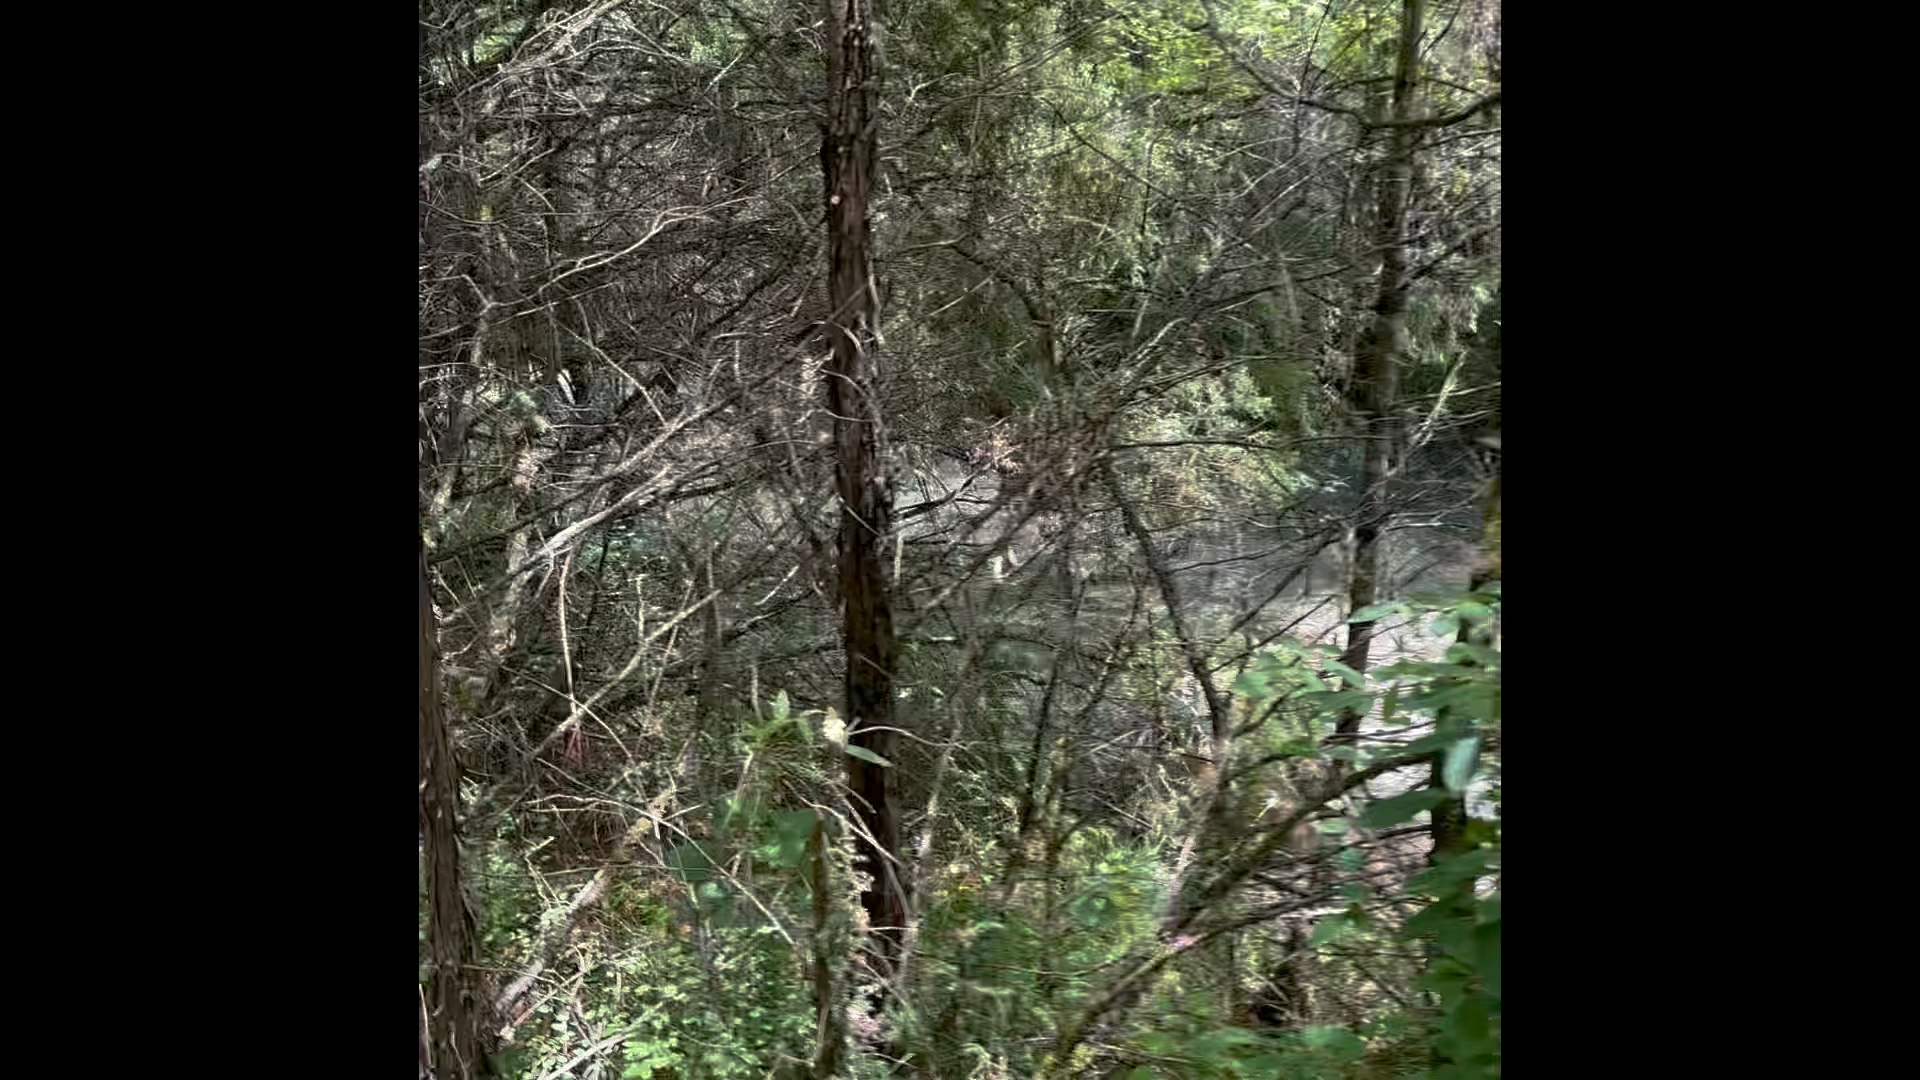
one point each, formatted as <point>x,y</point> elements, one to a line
<point>1126,255</point>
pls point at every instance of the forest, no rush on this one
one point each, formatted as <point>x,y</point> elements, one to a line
<point>959,539</point>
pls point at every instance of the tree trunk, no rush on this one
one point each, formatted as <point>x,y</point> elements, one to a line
<point>453,1020</point>
<point>829,1003</point>
<point>1377,355</point>
<point>866,500</point>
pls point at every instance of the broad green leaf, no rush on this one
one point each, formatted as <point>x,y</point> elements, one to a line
<point>1470,698</point>
<point>1474,612</point>
<point>791,829</point>
<point>865,754</point>
<point>1486,956</point>
<point>1457,770</point>
<point>1449,874</point>
<point>1352,678</point>
<point>1335,700</point>
<point>1444,626</point>
<point>690,861</point>
<point>1431,744</point>
<point>1329,929</point>
<point>1442,921</point>
<point>1401,807</point>
<point>1373,613</point>
<point>1471,653</point>
<point>1415,669</point>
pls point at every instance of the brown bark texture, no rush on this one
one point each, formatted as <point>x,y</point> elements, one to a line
<point>847,155</point>
<point>453,1022</point>
<point>1377,355</point>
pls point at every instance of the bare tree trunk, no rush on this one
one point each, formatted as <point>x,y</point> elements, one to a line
<point>866,500</point>
<point>829,1003</point>
<point>453,1017</point>
<point>1377,355</point>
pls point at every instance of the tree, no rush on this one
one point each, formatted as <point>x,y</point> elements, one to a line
<point>452,1004</point>
<point>866,499</point>
<point>730,606</point>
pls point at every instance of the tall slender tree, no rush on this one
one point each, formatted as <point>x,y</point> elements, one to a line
<point>451,1004</point>
<point>1376,359</point>
<point>866,499</point>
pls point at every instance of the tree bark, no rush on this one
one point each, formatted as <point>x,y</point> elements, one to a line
<point>866,501</point>
<point>1376,358</point>
<point>453,1017</point>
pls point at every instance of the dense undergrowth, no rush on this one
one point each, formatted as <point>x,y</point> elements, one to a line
<point>694,961</point>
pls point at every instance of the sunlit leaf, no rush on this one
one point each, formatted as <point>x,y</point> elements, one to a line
<point>865,754</point>
<point>1457,769</point>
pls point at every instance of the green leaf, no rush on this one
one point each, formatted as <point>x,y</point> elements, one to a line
<point>1486,956</point>
<point>780,707</point>
<point>1489,910</point>
<point>1252,683</point>
<point>1336,1042</point>
<point>1441,921</point>
<point>1359,701</point>
<point>1449,874</point>
<point>1352,678</point>
<point>1402,807</point>
<point>1430,744</point>
<point>865,754</point>
<point>1373,612</point>
<point>1457,770</point>
<point>1473,612</point>
<point>1467,653</point>
<point>690,861</point>
<point>1329,929</point>
<point>791,831</point>
<point>1444,626</point>
<point>1469,698</point>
